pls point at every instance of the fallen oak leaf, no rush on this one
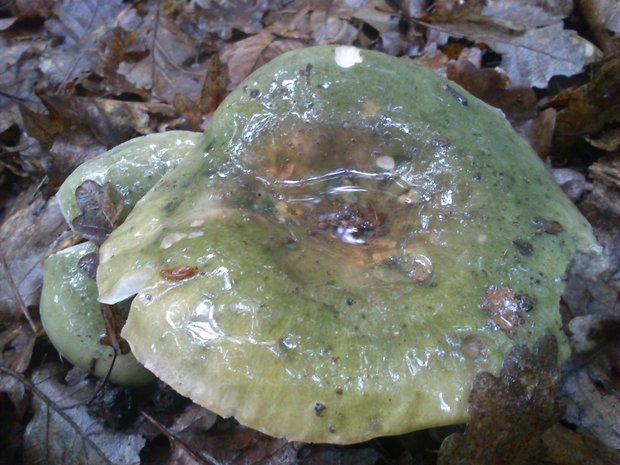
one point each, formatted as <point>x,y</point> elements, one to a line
<point>100,212</point>
<point>509,413</point>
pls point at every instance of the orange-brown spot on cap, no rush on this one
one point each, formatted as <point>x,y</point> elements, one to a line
<point>178,273</point>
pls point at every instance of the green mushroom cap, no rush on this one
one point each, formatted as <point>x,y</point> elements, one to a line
<point>70,312</point>
<point>132,168</point>
<point>353,240</point>
<point>71,316</point>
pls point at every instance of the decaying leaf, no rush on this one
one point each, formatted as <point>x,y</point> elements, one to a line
<point>110,121</point>
<point>567,447</point>
<point>114,319</point>
<point>26,235</point>
<point>332,455</point>
<point>63,431</point>
<point>509,413</point>
<point>593,407</point>
<point>529,35</point>
<point>100,211</point>
<point>533,58</point>
<point>603,17</point>
<point>245,56</point>
<point>591,303</point>
<point>82,26</point>
<point>529,13</point>
<point>221,17</point>
<point>587,110</point>
<point>602,204</point>
<point>16,346</point>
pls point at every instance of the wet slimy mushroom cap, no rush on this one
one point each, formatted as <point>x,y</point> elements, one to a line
<point>73,321</point>
<point>70,312</point>
<point>353,241</point>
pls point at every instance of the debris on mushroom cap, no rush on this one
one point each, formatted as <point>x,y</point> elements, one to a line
<point>70,312</point>
<point>73,321</point>
<point>342,225</point>
<point>132,168</point>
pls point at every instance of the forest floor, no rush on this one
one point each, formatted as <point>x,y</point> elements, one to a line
<point>78,77</point>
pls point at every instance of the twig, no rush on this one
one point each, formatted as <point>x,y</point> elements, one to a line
<point>105,379</point>
<point>50,404</point>
<point>210,460</point>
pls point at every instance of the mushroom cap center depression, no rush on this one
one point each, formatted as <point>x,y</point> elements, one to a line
<point>350,193</point>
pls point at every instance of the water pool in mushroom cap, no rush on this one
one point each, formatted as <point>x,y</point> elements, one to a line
<point>322,267</point>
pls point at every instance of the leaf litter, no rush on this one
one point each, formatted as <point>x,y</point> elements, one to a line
<point>79,77</point>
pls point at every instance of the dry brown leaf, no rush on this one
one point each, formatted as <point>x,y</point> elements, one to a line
<point>246,55</point>
<point>231,444</point>
<point>16,346</point>
<point>591,307</point>
<point>82,24</point>
<point>119,48</point>
<point>593,408</point>
<point>602,204</point>
<point>171,66</point>
<point>603,17</point>
<point>529,13</point>
<point>26,236</point>
<point>566,447</point>
<point>508,414</point>
<point>530,35</point>
<point>101,211</point>
<point>316,454</point>
<point>110,121</point>
<point>590,109</point>
<point>222,17</point>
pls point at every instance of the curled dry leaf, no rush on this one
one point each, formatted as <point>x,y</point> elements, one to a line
<point>100,211</point>
<point>509,413</point>
<point>114,318</point>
